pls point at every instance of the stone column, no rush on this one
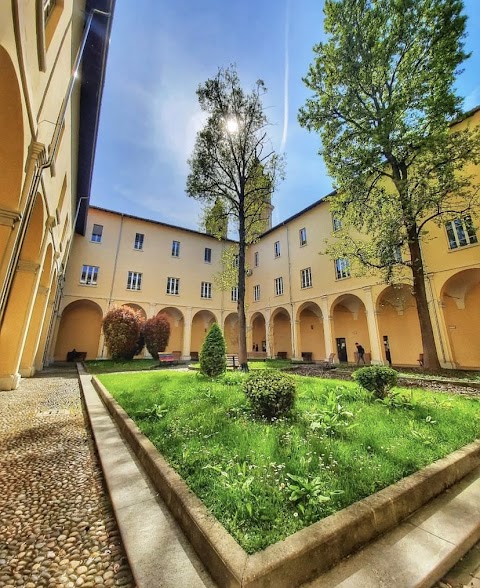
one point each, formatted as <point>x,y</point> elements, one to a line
<point>296,340</point>
<point>187,334</point>
<point>268,333</point>
<point>373,332</point>
<point>327,326</point>
<point>27,368</point>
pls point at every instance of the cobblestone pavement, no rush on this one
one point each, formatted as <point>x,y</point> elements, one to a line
<point>466,574</point>
<point>56,523</point>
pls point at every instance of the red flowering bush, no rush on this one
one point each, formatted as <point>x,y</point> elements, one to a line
<point>156,332</point>
<point>122,328</point>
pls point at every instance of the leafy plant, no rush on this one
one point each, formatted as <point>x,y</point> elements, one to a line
<point>307,493</point>
<point>333,417</point>
<point>212,355</point>
<point>271,394</point>
<point>156,332</point>
<point>151,413</point>
<point>395,400</point>
<point>377,379</point>
<point>122,329</point>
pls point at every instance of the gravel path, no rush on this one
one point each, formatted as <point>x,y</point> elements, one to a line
<point>56,524</point>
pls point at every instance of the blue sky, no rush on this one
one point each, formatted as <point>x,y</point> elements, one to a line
<point>160,51</point>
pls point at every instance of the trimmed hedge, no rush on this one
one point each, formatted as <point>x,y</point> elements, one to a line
<point>271,394</point>
<point>377,379</point>
<point>212,356</point>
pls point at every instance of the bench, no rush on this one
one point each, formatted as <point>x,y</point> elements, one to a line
<point>307,356</point>
<point>327,363</point>
<point>282,355</point>
<point>194,355</point>
<point>76,355</point>
<point>232,361</point>
<point>170,358</point>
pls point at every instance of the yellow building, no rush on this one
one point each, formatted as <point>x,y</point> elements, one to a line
<point>300,303</point>
<point>51,80</point>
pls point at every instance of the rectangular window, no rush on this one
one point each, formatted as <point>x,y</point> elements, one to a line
<point>278,286</point>
<point>175,248</point>
<point>461,232</point>
<point>276,248</point>
<point>256,259</point>
<point>342,269</point>
<point>256,293</point>
<point>173,285</point>
<point>306,277</point>
<point>89,275</point>
<point>206,290</point>
<point>97,233</point>
<point>235,294</point>
<point>302,233</point>
<point>139,237</point>
<point>337,223</point>
<point>207,255</point>
<point>134,281</point>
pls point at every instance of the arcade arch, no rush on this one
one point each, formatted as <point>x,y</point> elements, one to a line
<point>201,323</point>
<point>349,326</point>
<point>259,332</point>
<point>177,325</point>
<point>281,332</point>
<point>80,328</point>
<point>230,332</point>
<point>310,330</point>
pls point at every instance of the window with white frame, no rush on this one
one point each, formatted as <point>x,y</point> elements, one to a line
<point>278,286</point>
<point>97,233</point>
<point>207,257</point>
<point>302,234</point>
<point>306,277</point>
<point>461,232</point>
<point>89,275</point>
<point>175,248</point>
<point>206,290</point>
<point>337,223</point>
<point>255,259</point>
<point>173,285</point>
<point>342,268</point>
<point>235,294</point>
<point>276,248</point>
<point>134,281</point>
<point>139,237</point>
<point>256,293</point>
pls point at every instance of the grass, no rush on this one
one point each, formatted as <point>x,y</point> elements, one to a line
<point>266,480</point>
<point>106,366</point>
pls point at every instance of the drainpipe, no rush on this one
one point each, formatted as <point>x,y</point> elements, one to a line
<point>47,163</point>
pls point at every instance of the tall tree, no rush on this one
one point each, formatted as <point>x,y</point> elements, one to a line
<point>383,103</point>
<point>233,168</point>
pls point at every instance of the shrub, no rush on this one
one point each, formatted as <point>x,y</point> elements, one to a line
<point>377,379</point>
<point>156,332</point>
<point>271,394</point>
<point>121,328</point>
<point>212,355</point>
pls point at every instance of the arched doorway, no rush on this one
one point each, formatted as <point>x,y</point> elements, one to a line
<point>259,333</point>
<point>349,326</point>
<point>311,336</point>
<point>230,332</point>
<point>201,323</point>
<point>177,325</point>
<point>398,325</point>
<point>281,333</point>
<point>80,328</point>
<point>461,311</point>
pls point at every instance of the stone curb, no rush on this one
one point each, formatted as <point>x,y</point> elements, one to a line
<point>309,552</point>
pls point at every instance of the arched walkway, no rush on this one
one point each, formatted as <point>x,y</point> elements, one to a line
<point>230,332</point>
<point>80,328</point>
<point>259,333</point>
<point>281,332</point>
<point>201,322</point>
<point>137,308</point>
<point>460,298</point>
<point>398,325</point>
<point>349,327</point>
<point>177,325</point>
<point>310,330</point>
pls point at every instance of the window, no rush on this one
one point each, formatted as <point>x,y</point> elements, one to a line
<point>256,293</point>
<point>302,233</point>
<point>306,277</point>
<point>206,290</point>
<point>236,261</point>
<point>235,294</point>
<point>173,285</point>
<point>278,286</point>
<point>175,248</point>
<point>89,275</point>
<point>461,232</point>
<point>97,233</point>
<point>134,281</point>
<point>337,223</point>
<point>208,255</point>
<point>276,248</point>
<point>139,241</point>
<point>342,269</point>
<point>255,257</point>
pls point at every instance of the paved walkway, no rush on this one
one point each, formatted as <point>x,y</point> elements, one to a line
<point>56,522</point>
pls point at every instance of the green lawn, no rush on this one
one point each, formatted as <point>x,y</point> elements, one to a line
<point>105,366</point>
<point>264,481</point>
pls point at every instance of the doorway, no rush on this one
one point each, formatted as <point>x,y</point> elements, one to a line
<point>342,350</point>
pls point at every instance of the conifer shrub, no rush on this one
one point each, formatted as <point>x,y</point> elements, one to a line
<point>212,355</point>
<point>271,393</point>
<point>122,331</point>
<point>156,332</point>
<point>378,379</point>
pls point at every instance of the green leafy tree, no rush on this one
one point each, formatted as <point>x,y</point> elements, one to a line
<point>122,331</point>
<point>156,332</point>
<point>383,104</point>
<point>233,169</point>
<point>212,356</point>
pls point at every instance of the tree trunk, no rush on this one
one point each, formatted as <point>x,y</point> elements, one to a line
<point>430,356</point>
<point>242,319</point>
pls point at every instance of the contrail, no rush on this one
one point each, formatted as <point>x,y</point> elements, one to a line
<point>285,81</point>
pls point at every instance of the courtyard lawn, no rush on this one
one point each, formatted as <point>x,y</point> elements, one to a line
<point>266,480</point>
<point>105,366</point>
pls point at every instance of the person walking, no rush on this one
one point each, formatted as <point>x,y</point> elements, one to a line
<point>360,353</point>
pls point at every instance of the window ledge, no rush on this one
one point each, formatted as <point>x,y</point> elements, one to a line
<point>462,247</point>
